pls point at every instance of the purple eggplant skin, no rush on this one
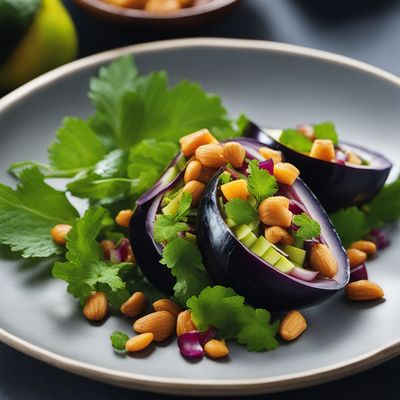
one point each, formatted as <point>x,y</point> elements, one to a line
<point>336,186</point>
<point>148,252</point>
<point>231,264</point>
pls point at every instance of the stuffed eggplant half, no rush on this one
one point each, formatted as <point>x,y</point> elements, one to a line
<point>340,174</point>
<point>258,227</point>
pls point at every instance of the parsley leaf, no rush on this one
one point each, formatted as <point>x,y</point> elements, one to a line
<point>28,213</point>
<point>326,130</point>
<point>118,340</point>
<point>308,227</point>
<point>85,270</point>
<point>147,160</point>
<point>241,212</point>
<point>130,107</point>
<point>260,183</point>
<point>350,224</point>
<point>293,139</point>
<point>223,309</point>
<point>184,260</point>
<point>167,227</point>
<point>384,207</point>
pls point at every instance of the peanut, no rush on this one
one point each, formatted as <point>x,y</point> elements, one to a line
<point>322,260</point>
<point>167,305</point>
<point>234,153</point>
<point>124,218</point>
<point>276,234</point>
<point>96,306</point>
<point>274,211</point>
<point>134,305</point>
<point>59,233</point>
<point>323,149</point>
<point>193,171</point>
<point>286,173</point>
<point>292,325</point>
<point>160,323</point>
<point>216,348</point>
<point>139,342</point>
<point>363,290</point>
<point>356,257</point>
<point>190,143</point>
<point>196,189</point>
<point>366,246</point>
<point>211,155</point>
<point>184,323</point>
<point>267,153</point>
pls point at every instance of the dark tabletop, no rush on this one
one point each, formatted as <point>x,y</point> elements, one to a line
<point>368,30</point>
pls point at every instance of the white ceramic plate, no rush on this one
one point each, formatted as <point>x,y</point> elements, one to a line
<point>276,85</point>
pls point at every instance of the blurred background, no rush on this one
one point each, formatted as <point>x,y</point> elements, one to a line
<point>38,35</point>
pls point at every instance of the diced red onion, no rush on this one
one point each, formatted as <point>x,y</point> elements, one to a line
<point>121,253</point>
<point>268,165</point>
<point>359,273</point>
<point>379,237</point>
<point>191,343</point>
<point>296,207</point>
<point>303,274</point>
<point>340,157</point>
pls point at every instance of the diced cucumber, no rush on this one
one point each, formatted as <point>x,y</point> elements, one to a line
<point>249,239</point>
<point>242,231</point>
<point>299,243</point>
<point>252,200</point>
<point>279,250</point>
<point>172,207</point>
<point>191,237</point>
<point>284,265</point>
<point>260,246</point>
<point>255,227</point>
<point>231,223</point>
<point>271,256</point>
<point>295,254</point>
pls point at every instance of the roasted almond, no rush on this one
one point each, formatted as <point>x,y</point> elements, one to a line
<point>292,325</point>
<point>356,257</point>
<point>167,305</point>
<point>160,323</point>
<point>134,305</point>
<point>191,142</point>
<point>366,246</point>
<point>276,234</point>
<point>59,233</point>
<point>196,189</point>
<point>96,306</point>
<point>234,153</point>
<point>322,260</point>
<point>184,323</point>
<point>216,348</point>
<point>211,155</point>
<point>363,290</point>
<point>139,342</point>
<point>274,211</point>
<point>192,171</point>
<point>267,153</point>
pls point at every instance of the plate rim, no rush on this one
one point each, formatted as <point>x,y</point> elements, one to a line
<point>182,385</point>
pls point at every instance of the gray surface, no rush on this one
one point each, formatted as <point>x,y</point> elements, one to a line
<point>274,89</point>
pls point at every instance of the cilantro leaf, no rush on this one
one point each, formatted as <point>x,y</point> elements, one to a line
<point>326,130</point>
<point>184,260</point>
<point>241,212</point>
<point>85,270</point>
<point>308,227</point>
<point>260,183</point>
<point>223,309</point>
<point>118,340</point>
<point>350,224</point>
<point>147,160</point>
<point>384,207</point>
<point>293,139</point>
<point>77,147</point>
<point>28,213</point>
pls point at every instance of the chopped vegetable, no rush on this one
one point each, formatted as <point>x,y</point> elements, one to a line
<point>295,140</point>
<point>326,130</point>
<point>308,227</point>
<point>241,212</point>
<point>260,183</point>
<point>118,340</point>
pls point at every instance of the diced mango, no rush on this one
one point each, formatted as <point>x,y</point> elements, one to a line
<point>323,149</point>
<point>286,173</point>
<point>235,190</point>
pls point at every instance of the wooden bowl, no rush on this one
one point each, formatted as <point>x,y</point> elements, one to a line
<point>201,12</point>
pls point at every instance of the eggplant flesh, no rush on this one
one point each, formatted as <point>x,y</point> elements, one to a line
<point>232,264</point>
<point>336,186</point>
